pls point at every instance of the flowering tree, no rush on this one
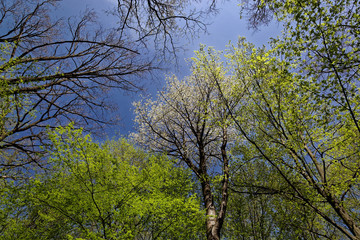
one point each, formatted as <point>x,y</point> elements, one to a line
<point>189,122</point>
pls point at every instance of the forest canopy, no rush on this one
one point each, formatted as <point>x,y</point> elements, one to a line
<point>256,143</point>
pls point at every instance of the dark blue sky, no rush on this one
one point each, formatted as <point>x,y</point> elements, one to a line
<point>225,26</point>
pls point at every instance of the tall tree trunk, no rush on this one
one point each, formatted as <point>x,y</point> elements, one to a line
<point>212,232</point>
<point>214,221</point>
<point>225,185</point>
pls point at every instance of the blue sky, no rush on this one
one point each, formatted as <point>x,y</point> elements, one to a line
<point>225,26</point>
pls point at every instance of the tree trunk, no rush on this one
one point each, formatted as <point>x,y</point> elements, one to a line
<point>214,220</point>
<point>212,232</point>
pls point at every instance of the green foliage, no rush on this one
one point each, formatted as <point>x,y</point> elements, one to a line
<point>264,206</point>
<point>302,112</point>
<point>310,142</point>
<point>294,174</point>
<point>108,191</point>
<point>303,123</point>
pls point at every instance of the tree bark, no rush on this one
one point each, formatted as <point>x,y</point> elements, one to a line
<point>214,221</point>
<point>212,232</point>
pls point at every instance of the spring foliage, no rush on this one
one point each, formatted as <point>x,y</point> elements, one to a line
<point>108,191</point>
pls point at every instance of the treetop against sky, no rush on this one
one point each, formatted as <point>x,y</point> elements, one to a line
<point>250,141</point>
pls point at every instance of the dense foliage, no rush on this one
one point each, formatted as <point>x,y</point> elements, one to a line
<point>108,191</point>
<point>257,143</point>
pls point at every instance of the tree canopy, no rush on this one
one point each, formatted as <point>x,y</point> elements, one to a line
<point>189,121</point>
<point>56,70</point>
<point>257,143</point>
<point>108,191</point>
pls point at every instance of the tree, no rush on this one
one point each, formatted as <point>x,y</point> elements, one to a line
<point>163,22</point>
<point>299,111</point>
<point>303,131</point>
<point>263,206</point>
<point>55,71</point>
<point>108,191</point>
<point>321,42</point>
<point>188,121</point>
